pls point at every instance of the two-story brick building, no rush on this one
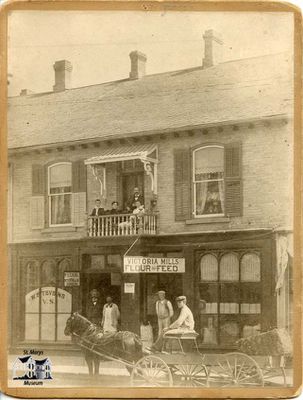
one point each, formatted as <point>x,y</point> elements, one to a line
<point>211,150</point>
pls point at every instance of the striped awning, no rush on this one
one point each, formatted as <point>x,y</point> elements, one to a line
<point>144,152</point>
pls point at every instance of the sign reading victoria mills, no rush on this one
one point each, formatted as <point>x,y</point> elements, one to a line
<point>153,265</point>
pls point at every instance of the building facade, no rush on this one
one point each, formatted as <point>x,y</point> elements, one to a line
<point>210,150</point>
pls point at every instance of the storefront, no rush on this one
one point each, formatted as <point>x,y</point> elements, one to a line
<point>227,278</point>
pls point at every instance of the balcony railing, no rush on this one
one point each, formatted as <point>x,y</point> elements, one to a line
<point>122,225</point>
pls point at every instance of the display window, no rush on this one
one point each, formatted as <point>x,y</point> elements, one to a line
<point>229,294</point>
<point>47,302</point>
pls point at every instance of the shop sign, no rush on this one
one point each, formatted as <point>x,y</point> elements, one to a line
<point>153,265</point>
<point>71,278</point>
<point>129,287</point>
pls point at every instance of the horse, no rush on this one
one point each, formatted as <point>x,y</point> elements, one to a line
<point>123,344</point>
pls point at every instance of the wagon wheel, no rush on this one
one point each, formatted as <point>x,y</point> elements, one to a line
<point>235,369</point>
<point>151,371</point>
<point>190,374</point>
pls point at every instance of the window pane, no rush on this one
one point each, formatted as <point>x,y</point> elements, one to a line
<point>209,268</point>
<point>97,262</point>
<point>61,209</point>
<point>209,163</point>
<point>209,329</point>
<point>209,198</point>
<point>229,329</point>
<point>60,176</point>
<point>48,299</point>
<point>64,301</point>
<point>31,326</point>
<point>229,303</point>
<point>250,268</point>
<point>48,326</point>
<point>31,275</point>
<point>32,301</point>
<point>114,261</point>
<point>229,267</point>
<point>48,273</point>
<point>208,298</point>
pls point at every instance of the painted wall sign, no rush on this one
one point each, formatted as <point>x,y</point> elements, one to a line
<point>153,265</point>
<point>71,278</point>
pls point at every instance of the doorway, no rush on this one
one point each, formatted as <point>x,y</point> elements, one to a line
<point>129,182</point>
<point>103,282</point>
<point>150,284</point>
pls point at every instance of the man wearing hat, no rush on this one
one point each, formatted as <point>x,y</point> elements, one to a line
<point>184,323</point>
<point>94,309</point>
<point>164,310</point>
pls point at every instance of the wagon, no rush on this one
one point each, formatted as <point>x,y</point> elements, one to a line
<point>180,363</point>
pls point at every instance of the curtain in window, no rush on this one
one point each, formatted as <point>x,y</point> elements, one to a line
<point>201,194</point>
<point>61,209</point>
<point>60,182</point>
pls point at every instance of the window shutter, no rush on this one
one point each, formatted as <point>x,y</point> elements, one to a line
<point>37,212</point>
<point>79,176</point>
<point>79,208</point>
<point>182,184</point>
<point>233,182</point>
<point>38,180</point>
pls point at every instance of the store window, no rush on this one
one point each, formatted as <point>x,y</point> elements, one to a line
<point>208,181</point>
<point>60,194</point>
<point>230,297</point>
<point>48,304</point>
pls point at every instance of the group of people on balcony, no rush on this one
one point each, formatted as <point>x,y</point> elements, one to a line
<point>133,222</point>
<point>132,204</point>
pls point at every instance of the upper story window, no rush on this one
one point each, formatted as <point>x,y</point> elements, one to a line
<point>208,181</point>
<point>60,194</point>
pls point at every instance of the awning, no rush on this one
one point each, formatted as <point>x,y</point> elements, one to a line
<point>144,152</point>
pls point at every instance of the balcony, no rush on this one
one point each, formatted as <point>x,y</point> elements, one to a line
<point>122,225</point>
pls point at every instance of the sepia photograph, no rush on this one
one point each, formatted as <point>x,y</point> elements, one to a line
<point>150,199</point>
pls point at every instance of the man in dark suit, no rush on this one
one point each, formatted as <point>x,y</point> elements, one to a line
<point>97,210</point>
<point>137,196</point>
<point>97,223</point>
<point>94,310</point>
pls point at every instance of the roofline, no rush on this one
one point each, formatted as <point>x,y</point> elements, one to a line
<point>15,150</point>
<point>188,69</point>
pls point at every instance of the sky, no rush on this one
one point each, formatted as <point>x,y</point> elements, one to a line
<point>98,43</point>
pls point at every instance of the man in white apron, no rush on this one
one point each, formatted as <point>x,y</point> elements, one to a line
<point>111,315</point>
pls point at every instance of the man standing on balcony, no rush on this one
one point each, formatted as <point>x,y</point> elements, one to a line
<point>97,210</point>
<point>137,196</point>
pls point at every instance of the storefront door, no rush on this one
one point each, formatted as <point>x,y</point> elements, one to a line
<point>103,273</point>
<point>107,284</point>
<point>150,285</point>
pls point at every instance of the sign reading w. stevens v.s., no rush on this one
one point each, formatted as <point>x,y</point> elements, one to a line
<point>153,265</point>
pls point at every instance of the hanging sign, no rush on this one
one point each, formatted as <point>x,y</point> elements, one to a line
<point>71,278</point>
<point>153,265</point>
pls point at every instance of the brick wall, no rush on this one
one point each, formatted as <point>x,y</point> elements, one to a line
<point>267,181</point>
<point>266,173</point>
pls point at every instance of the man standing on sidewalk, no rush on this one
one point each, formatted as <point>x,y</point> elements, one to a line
<point>164,310</point>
